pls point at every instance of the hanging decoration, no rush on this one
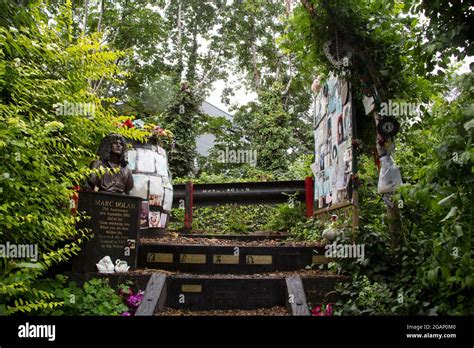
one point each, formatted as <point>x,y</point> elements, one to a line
<point>388,127</point>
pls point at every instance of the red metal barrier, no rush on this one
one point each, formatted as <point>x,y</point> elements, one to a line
<point>188,207</point>
<point>309,196</point>
<point>241,193</point>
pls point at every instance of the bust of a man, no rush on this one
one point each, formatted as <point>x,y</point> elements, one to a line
<point>117,177</point>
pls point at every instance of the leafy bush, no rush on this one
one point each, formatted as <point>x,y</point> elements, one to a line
<point>45,153</point>
<point>228,218</point>
<point>308,229</point>
<point>365,297</point>
<point>430,272</point>
<point>96,297</point>
<point>286,216</point>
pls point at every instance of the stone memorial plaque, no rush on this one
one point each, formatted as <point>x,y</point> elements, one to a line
<point>115,223</point>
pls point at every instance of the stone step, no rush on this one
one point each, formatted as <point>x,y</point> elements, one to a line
<point>273,311</point>
<point>229,254</point>
<point>230,257</point>
<point>174,293</point>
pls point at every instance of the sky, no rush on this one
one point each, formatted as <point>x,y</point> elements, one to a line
<point>242,96</point>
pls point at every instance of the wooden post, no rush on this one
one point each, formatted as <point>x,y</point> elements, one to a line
<point>393,214</point>
<point>296,298</point>
<point>155,296</point>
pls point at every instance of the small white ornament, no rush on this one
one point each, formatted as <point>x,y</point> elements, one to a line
<point>121,266</point>
<point>105,265</point>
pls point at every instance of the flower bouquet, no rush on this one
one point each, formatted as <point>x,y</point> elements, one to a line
<point>159,136</point>
<point>322,310</point>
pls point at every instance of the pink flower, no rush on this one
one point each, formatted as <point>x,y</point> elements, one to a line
<point>134,301</point>
<point>316,311</point>
<point>125,314</point>
<point>329,309</point>
<point>323,310</point>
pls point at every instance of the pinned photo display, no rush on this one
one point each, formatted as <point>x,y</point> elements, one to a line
<point>333,143</point>
<point>151,176</point>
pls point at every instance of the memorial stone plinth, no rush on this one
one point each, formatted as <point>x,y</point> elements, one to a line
<point>115,224</point>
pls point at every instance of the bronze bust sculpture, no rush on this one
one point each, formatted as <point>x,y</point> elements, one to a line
<point>111,156</point>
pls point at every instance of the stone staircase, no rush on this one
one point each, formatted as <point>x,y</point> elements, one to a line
<point>228,275</point>
<point>233,275</point>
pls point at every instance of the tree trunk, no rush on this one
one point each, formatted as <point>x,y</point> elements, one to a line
<point>393,214</point>
<point>86,5</point>
<point>179,65</point>
<point>101,15</point>
<point>256,74</point>
<point>191,73</point>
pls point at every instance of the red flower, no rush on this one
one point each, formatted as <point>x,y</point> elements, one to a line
<point>128,123</point>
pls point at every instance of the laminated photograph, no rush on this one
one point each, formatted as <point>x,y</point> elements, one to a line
<point>168,200</point>
<point>146,161</point>
<point>154,219</point>
<point>161,164</point>
<point>166,182</point>
<point>140,186</point>
<point>144,215</point>
<point>131,158</point>
<point>155,195</point>
<point>163,220</point>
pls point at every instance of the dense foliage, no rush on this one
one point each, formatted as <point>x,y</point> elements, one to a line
<point>71,71</point>
<point>94,297</point>
<point>45,149</point>
<point>429,271</point>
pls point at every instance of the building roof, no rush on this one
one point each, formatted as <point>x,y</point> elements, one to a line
<point>214,111</point>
